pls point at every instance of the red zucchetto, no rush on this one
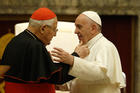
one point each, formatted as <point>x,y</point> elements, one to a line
<point>43,14</point>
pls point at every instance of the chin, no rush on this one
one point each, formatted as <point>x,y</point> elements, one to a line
<point>48,43</point>
<point>83,42</point>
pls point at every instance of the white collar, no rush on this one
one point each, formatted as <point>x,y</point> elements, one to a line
<point>91,42</point>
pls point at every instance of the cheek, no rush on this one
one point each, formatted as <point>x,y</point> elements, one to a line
<point>85,35</point>
<point>47,37</point>
<point>51,35</point>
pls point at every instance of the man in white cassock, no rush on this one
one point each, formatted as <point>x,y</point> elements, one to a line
<point>100,71</point>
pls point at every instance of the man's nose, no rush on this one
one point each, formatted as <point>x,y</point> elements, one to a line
<point>76,31</point>
<point>55,34</point>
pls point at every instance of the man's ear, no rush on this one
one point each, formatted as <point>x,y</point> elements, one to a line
<point>42,28</point>
<point>93,29</point>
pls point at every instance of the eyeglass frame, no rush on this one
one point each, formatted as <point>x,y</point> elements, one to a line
<point>52,28</point>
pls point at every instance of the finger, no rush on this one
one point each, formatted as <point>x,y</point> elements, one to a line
<point>56,55</point>
<point>85,46</point>
<point>55,52</point>
<point>48,51</point>
<point>57,60</point>
<point>81,43</point>
<point>58,49</point>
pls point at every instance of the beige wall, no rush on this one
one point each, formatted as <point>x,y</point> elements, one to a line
<point>107,7</point>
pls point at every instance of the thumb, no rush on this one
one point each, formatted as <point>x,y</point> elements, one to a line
<point>81,43</point>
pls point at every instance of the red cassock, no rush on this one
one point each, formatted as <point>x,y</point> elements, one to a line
<point>29,88</point>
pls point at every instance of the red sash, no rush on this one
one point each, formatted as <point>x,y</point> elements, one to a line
<point>11,87</point>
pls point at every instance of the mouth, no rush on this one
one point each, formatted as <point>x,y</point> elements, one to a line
<point>79,36</point>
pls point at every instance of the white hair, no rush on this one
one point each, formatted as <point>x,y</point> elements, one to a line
<point>37,23</point>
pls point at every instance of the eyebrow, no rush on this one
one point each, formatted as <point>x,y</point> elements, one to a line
<point>78,25</point>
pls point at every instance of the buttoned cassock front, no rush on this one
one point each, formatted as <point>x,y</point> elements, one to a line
<point>100,71</point>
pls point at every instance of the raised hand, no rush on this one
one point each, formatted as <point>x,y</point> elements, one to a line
<point>60,55</point>
<point>82,50</point>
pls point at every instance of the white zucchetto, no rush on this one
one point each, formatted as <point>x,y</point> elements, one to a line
<point>93,16</point>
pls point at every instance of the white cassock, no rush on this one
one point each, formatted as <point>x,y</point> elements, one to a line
<point>100,71</point>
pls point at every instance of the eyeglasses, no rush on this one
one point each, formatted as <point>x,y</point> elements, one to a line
<point>55,30</point>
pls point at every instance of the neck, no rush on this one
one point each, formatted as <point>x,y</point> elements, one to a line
<point>33,30</point>
<point>37,33</point>
<point>93,35</point>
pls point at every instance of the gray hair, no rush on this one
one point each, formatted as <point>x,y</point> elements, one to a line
<point>38,23</point>
<point>99,27</point>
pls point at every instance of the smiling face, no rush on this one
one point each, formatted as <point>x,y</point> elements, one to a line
<point>86,29</point>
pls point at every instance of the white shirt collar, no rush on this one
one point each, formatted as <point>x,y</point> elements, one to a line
<point>91,42</point>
